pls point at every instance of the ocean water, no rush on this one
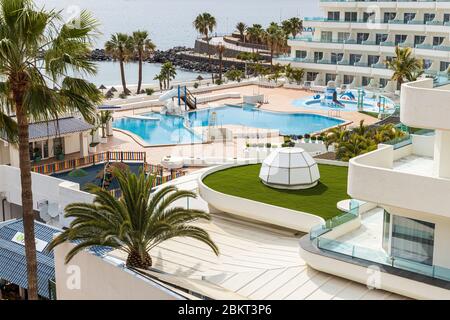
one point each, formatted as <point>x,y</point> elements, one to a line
<point>169,23</point>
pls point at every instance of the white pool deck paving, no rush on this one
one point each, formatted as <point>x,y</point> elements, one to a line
<point>256,261</point>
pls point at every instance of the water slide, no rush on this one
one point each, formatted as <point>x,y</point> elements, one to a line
<point>349,95</point>
<point>186,97</point>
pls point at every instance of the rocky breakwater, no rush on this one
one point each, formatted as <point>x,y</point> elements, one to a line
<point>179,56</point>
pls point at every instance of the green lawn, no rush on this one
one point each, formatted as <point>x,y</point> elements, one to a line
<point>321,200</point>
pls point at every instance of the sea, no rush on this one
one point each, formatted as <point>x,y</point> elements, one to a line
<point>169,23</point>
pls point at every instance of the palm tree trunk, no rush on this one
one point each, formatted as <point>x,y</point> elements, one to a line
<point>209,59</point>
<point>27,197</point>
<point>220,68</point>
<point>134,260</point>
<point>122,75</point>
<point>271,58</point>
<point>140,73</point>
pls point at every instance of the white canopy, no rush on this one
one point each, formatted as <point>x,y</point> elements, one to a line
<point>290,168</point>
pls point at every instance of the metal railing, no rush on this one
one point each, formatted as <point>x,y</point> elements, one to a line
<point>70,164</point>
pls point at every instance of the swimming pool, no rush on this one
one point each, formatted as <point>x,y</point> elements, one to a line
<point>171,130</point>
<point>369,104</point>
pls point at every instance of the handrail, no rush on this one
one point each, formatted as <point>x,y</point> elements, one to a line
<point>70,164</point>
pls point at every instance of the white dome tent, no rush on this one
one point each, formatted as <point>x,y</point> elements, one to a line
<point>289,168</point>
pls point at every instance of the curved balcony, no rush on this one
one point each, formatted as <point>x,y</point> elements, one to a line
<point>423,106</point>
<point>401,178</point>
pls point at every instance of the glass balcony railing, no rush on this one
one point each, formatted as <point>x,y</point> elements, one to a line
<point>381,257</point>
<point>318,236</point>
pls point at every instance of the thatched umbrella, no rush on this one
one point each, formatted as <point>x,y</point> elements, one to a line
<point>113,89</point>
<point>200,78</point>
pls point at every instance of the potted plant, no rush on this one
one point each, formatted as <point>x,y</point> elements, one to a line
<point>314,139</point>
<point>268,145</point>
<point>93,147</point>
<point>300,138</point>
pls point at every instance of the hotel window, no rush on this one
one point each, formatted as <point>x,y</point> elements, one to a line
<point>408,16</point>
<point>400,38</point>
<point>368,15</point>
<point>428,17</point>
<point>335,57</point>
<point>318,56</point>
<point>311,76</point>
<point>445,65</point>
<point>446,17</point>
<point>348,79</point>
<point>383,82</point>
<point>360,37</point>
<point>389,16</point>
<point>300,54</point>
<point>354,58</point>
<point>418,40</point>
<point>351,16</point>
<point>372,59</point>
<point>326,36</point>
<point>330,77</point>
<point>334,15</point>
<point>437,41</point>
<point>412,240</point>
<point>380,37</point>
<point>365,81</point>
<point>343,36</point>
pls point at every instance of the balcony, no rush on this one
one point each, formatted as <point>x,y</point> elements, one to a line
<point>424,106</point>
<point>401,176</point>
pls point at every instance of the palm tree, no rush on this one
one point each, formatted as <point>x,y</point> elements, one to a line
<point>36,52</point>
<point>404,65</point>
<point>168,73</point>
<point>205,24</point>
<point>354,146</point>
<point>104,118</point>
<point>220,48</point>
<point>143,47</point>
<point>241,27</point>
<point>255,33</point>
<point>275,39</point>
<point>119,47</point>
<point>160,78</point>
<point>296,26</point>
<point>286,25</point>
<point>136,223</point>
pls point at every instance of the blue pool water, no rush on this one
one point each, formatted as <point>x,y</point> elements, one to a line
<point>349,105</point>
<point>171,129</point>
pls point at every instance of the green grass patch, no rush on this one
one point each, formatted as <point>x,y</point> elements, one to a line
<point>321,200</point>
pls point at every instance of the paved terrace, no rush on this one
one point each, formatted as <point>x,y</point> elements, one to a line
<point>256,261</point>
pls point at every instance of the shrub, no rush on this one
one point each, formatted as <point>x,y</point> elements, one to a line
<point>219,82</point>
<point>122,95</point>
<point>320,138</point>
<point>313,138</point>
<point>307,136</point>
<point>196,85</point>
<point>268,145</point>
<point>149,91</point>
<point>300,137</point>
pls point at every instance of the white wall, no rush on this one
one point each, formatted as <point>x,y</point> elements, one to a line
<point>45,188</point>
<point>88,277</point>
<point>423,145</point>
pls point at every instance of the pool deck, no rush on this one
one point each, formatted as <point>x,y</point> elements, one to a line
<point>279,99</point>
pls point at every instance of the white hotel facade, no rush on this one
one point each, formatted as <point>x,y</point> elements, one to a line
<point>354,39</point>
